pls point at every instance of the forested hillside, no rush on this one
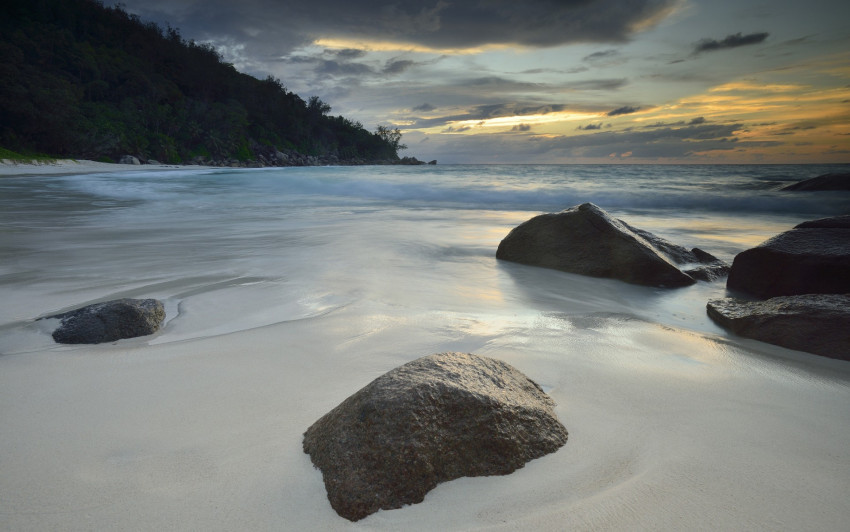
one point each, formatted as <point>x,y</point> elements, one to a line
<point>81,80</point>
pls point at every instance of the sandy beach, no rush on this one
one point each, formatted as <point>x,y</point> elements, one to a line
<point>9,168</point>
<point>275,315</point>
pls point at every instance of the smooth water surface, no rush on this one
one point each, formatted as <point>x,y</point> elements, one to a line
<point>270,245</point>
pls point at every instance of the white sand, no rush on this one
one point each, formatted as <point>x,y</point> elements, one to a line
<point>672,427</point>
<point>81,166</point>
<point>668,429</point>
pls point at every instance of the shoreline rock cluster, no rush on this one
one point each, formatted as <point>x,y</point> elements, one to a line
<point>277,158</point>
<point>802,276</point>
<point>802,280</point>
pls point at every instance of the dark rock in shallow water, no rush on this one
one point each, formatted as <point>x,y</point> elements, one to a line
<point>109,321</point>
<point>587,241</point>
<point>815,323</point>
<point>812,258</point>
<point>434,419</point>
<point>836,222</point>
<point>823,182</point>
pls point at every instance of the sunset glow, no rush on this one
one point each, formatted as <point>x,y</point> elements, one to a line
<point>668,81</point>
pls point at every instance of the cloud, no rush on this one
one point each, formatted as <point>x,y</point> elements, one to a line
<point>596,84</point>
<point>339,68</point>
<point>521,127</point>
<point>731,41</point>
<point>397,66</point>
<point>590,127</point>
<point>667,143</point>
<point>348,54</point>
<point>425,107</point>
<point>693,122</point>
<point>276,26</point>
<point>487,111</point>
<point>596,56</point>
<point>625,110</point>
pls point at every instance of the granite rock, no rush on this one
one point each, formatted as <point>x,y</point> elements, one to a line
<point>109,321</point>
<point>434,419</point>
<point>814,323</point>
<point>836,181</point>
<point>588,241</point>
<point>812,258</point>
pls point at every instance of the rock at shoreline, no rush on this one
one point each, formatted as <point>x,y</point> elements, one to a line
<point>812,258</point>
<point>129,159</point>
<point>814,323</point>
<point>835,222</point>
<point>109,321</point>
<point>588,241</point>
<point>823,182</point>
<point>434,419</point>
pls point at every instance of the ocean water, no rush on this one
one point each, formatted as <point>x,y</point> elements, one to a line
<point>289,289</point>
<point>230,250</point>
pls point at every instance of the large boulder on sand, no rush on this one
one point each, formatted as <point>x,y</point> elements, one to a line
<point>109,321</point>
<point>812,258</point>
<point>434,419</point>
<point>815,323</point>
<point>588,241</point>
<point>823,182</point>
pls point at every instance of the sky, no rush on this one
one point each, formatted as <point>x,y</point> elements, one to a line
<point>555,81</point>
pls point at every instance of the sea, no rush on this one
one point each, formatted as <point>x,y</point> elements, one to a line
<point>232,249</point>
<point>288,289</point>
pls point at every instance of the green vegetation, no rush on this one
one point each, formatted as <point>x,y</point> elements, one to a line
<point>81,80</point>
<point>9,155</point>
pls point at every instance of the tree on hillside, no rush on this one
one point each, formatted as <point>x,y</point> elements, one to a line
<point>78,79</point>
<point>391,137</point>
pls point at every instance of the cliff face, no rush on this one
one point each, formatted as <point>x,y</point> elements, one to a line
<point>81,80</point>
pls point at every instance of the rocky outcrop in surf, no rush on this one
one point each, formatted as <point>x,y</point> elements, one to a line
<point>812,258</point>
<point>434,419</point>
<point>804,275</point>
<point>837,181</point>
<point>109,321</point>
<point>588,241</point>
<point>814,323</point>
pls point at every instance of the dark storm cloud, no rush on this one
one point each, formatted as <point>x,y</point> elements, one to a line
<point>625,110</point>
<point>731,41</point>
<point>277,26</point>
